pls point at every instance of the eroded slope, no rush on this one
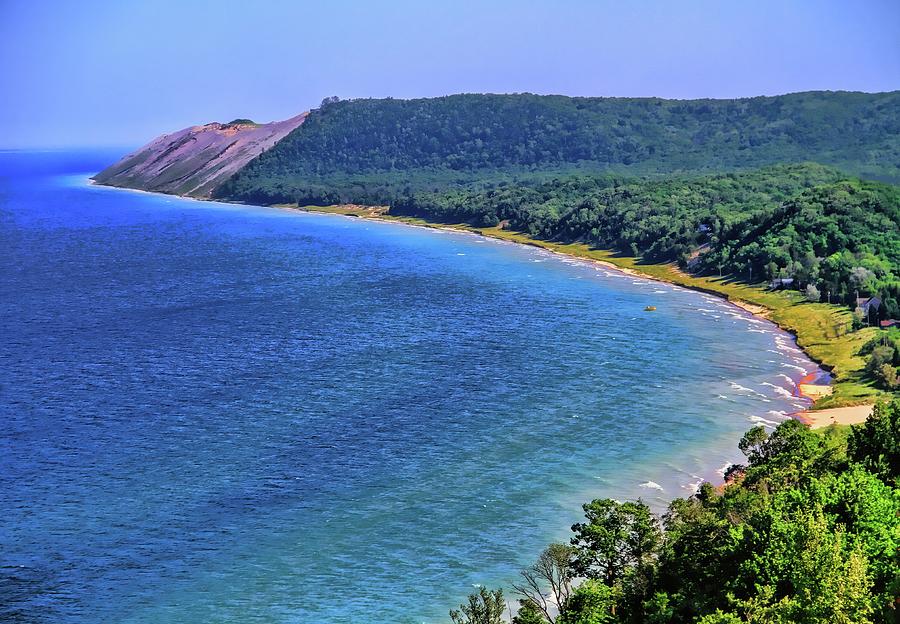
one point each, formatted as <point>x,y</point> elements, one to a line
<point>196,160</point>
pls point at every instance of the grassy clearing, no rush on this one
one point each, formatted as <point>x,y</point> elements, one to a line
<point>823,331</point>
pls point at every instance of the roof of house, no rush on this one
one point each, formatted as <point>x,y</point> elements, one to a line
<point>862,302</point>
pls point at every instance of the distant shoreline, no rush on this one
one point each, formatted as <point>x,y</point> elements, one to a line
<point>814,416</point>
<point>800,389</point>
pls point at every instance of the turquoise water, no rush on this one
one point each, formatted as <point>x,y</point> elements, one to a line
<point>214,413</point>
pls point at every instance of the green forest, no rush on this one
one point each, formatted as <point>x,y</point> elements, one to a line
<point>454,137</point>
<point>372,151</point>
<point>808,531</point>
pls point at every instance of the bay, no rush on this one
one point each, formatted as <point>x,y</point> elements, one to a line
<point>220,413</point>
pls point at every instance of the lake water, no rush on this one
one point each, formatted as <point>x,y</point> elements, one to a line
<point>212,413</point>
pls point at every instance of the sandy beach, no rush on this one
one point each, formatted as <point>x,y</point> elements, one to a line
<point>817,419</point>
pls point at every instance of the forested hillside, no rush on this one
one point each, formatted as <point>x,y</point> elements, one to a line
<point>412,142</point>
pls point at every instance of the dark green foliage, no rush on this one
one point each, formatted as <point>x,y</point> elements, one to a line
<point>529,613</point>
<point>808,532</point>
<point>484,607</point>
<point>616,539</point>
<point>719,617</point>
<point>883,358</point>
<point>592,602</point>
<point>876,444</point>
<point>473,133</point>
<point>843,237</point>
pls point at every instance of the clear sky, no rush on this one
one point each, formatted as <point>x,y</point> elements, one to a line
<point>118,72</point>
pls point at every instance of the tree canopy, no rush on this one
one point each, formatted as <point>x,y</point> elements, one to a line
<point>480,132</point>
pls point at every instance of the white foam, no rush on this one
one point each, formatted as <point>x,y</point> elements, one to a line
<point>794,366</point>
<point>780,391</point>
<point>785,348</point>
<point>741,388</point>
<point>692,487</point>
<point>764,422</point>
<point>652,485</point>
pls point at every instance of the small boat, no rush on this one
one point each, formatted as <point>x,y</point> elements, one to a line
<point>650,309</point>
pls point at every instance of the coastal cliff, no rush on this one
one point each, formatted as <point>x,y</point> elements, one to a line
<point>197,160</point>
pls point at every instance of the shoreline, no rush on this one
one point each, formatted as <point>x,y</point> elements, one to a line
<point>806,387</point>
<point>819,419</point>
<point>803,387</point>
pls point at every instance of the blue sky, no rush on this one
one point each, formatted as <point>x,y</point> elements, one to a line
<point>120,72</point>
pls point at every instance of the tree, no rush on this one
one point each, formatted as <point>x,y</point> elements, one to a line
<point>529,613</point>
<point>548,582</point>
<point>484,607</point>
<point>812,293</point>
<point>834,585</point>
<point>881,365</point>
<point>617,537</point>
<point>720,617</point>
<point>752,444</point>
<point>820,575</point>
<point>860,277</point>
<point>328,101</point>
<point>592,602</point>
<point>876,443</point>
<point>786,452</point>
<point>887,374</point>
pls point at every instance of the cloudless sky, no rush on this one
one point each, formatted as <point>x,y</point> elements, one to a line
<point>119,72</point>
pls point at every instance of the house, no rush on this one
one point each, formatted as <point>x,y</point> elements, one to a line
<point>887,324</point>
<point>694,258</point>
<point>781,282</point>
<point>867,304</point>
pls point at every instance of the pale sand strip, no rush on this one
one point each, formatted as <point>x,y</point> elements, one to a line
<point>814,391</point>
<point>817,419</point>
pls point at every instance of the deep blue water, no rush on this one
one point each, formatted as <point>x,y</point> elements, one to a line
<point>212,413</point>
